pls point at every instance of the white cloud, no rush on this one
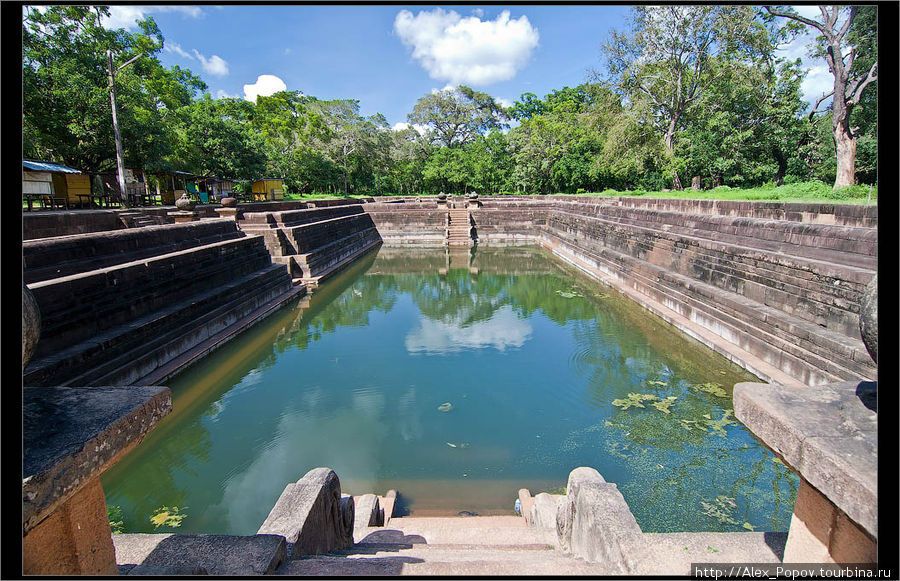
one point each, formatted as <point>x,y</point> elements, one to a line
<point>818,80</point>
<point>265,85</point>
<point>504,102</point>
<point>214,65</point>
<point>467,50</point>
<point>127,16</point>
<point>176,48</point>
<point>503,330</point>
<point>401,126</point>
<point>222,94</point>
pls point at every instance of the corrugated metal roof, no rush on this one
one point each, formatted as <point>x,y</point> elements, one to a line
<point>47,166</point>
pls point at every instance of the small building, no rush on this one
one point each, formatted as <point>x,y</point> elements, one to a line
<point>54,179</point>
<point>268,188</point>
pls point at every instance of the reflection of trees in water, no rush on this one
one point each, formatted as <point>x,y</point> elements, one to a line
<point>146,486</point>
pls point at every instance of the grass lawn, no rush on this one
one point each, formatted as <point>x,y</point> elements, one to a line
<point>809,192</point>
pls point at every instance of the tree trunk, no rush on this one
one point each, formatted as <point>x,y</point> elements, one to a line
<point>845,153</point>
<point>781,160</point>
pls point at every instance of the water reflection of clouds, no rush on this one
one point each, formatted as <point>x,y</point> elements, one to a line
<point>503,330</point>
<point>347,440</point>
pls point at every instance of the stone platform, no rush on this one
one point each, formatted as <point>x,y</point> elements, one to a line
<point>829,436</point>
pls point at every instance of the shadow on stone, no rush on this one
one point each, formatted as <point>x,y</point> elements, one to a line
<point>776,542</point>
<point>387,540</point>
<point>867,392</point>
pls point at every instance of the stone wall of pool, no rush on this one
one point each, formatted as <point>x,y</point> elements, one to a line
<point>774,287</point>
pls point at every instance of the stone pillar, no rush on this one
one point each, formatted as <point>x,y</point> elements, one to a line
<point>231,213</point>
<point>828,436</point>
<point>183,216</point>
<point>821,533</point>
<point>74,540</point>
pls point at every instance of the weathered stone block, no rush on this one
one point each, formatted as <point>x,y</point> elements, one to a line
<point>594,523</point>
<point>311,515</point>
<point>213,554</point>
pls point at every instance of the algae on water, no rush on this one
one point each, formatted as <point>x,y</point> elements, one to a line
<point>168,516</point>
<point>720,509</point>
<point>711,388</point>
<point>663,405</point>
<point>634,400</point>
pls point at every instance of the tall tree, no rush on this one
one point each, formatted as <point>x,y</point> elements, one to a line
<point>850,78</point>
<point>66,104</point>
<point>670,57</point>
<point>458,116</point>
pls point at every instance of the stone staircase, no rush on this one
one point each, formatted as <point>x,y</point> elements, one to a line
<point>477,545</point>
<point>314,243</point>
<point>133,306</point>
<point>459,231</point>
<point>137,219</point>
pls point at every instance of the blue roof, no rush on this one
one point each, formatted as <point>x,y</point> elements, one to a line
<point>47,166</point>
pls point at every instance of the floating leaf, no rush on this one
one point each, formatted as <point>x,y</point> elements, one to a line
<point>570,294</point>
<point>662,383</point>
<point>664,404</point>
<point>749,526</point>
<point>633,400</point>
<point>712,388</point>
<point>451,445</point>
<point>718,426</point>
<point>168,517</point>
<point>445,407</point>
<point>777,460</point>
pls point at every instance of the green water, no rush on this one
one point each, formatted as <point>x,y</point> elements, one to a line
<point>456,380</point>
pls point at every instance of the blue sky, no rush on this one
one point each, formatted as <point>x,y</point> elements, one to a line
<point>389,56</point>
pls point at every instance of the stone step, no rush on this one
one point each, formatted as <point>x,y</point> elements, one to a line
<point>673,553</point>
<point>789,328</point>
<point>794,283</point>
<point>475,530</point>
<point>126,344</point>
<point>669,289</point>
<point>149,554</point>
<point>426,560</point>
<point>79,306</point>
<point>48,258</point>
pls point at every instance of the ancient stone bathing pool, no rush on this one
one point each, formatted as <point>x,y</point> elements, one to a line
<point>455,379</point>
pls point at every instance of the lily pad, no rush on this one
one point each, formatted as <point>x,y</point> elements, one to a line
<point>662,383</point>
<point>445,407</point>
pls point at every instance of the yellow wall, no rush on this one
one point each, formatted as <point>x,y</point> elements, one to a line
<point>77,184</point>
<point>266,186</point>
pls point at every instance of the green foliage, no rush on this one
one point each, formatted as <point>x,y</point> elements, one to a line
<point>688,91</point>
<point>116,519</point>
